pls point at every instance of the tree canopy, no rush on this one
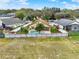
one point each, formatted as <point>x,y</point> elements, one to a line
<point>39,27</point>
<point>20,15</point>
<point>45,13</point>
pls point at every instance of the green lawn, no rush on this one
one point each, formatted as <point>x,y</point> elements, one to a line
<point>73,33</point>
<point>39,48</point>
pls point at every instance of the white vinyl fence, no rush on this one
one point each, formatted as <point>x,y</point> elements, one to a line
<point>15,35</point>
<point>38,35</point>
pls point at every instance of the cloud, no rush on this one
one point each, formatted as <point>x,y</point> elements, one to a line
<point>9,4</point>
<point>3,2</point>
<point>65,3</point>
<point>53,0</point>
<point>69,5</point>
<point>25,2</point>
<point>75,0</point>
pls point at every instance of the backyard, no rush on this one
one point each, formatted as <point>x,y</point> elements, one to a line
<point>40,48</point>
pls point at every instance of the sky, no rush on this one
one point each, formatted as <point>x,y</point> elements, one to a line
<point>38,4</point>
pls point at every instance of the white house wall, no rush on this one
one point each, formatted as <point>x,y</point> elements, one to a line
<point>0,23</point>
<point>75,28</point>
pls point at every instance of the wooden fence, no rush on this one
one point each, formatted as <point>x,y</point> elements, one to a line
<point>39,35</point>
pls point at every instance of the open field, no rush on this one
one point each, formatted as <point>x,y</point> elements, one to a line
<point>39,48</point>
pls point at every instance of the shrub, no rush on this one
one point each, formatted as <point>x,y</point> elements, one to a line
<point>23,31</point>
<point>53,29</point>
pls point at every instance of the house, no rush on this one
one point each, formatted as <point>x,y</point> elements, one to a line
<point>11,22</point>
<point>67,24</point>
<point>12,25</point>
<point>9,15</point>
<point>74,26</point>
<point>33,25</point>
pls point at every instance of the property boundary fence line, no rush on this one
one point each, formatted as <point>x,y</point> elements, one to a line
<point>37,35</point>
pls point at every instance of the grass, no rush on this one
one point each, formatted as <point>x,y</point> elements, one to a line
<point>39,48</point>
<point>73,33</point>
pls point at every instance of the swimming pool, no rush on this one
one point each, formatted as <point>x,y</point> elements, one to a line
<point>34,33</point>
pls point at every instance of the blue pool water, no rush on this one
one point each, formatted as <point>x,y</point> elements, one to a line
<point>34,33</point>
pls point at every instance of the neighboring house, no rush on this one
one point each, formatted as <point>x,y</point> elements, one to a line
<point>74,26</point>
<point>12,22</point>
<point>9,15</point>
<point>67,24</point>
<point>12,25</point>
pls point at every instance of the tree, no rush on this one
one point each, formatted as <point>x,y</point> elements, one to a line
<point>31,18</point>
<point>20,15</point>
<point>46,17</point>
<point>53,17</point>
<point>39,27</point>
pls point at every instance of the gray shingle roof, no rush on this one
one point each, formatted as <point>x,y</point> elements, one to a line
<point>11,21</point>
<point>7,15</point>
<point>64,22</point>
